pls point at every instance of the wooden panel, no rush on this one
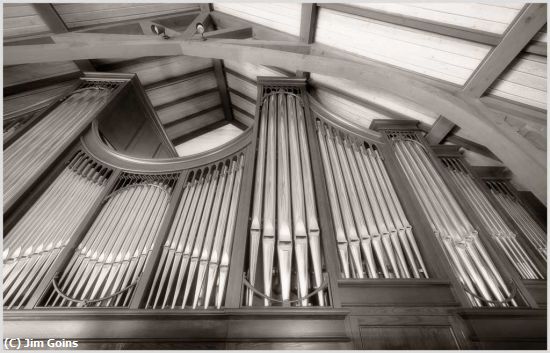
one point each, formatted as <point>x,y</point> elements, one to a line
<point>190,125</point>
<point>395,293</point>
<point>438,56</point>
<point>289,345</point>
<point>18,74</point>
<point>22,20</point>
<point>524,81</point>
<point>166,68</point>
<point>209,140</point>
<point>538,289</point>
<point>192,85</point>
<point>251,71</point>
<point>188,107</point>
<point>378,97</point>
<point>347,109</point>
<point>35,99</point>
<point>493,18</point>
<point>243,118</point>
<point>79,15</point>
<point>242,86</point>
<point>284,17</point>
<point>407,337</point>
<point>242,103</point>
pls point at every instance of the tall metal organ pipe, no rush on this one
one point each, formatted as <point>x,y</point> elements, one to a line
<point>284,210</point>
<point>34,243</point>
<point>475,269</point>
<point>499,230</point>
<point>366,211</point>
<point>109,260</point>
<point>197,252</point>
<point>530,228</point>
<point>33,152</point>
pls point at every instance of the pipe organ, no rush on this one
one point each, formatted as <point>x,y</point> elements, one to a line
<point>306,231</point>
<point>509,202</point>
<point>31,154</point>
<point>498,229</point>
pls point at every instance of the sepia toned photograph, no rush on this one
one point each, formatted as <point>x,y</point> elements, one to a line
<point>274,176</point>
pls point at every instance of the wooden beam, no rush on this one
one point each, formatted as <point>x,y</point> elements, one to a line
<point>526,25</point>
<point>146,28</point>
<point>206,7</point>
<point>439,130</point>
<point>48,13</point>
<point>308,23</point>
<point>421,24</point>
<point>223,89</point>
<point>232,33</point>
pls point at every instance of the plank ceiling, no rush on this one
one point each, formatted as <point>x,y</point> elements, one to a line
<point>185,92</point>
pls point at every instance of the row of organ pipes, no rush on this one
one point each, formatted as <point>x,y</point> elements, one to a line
<point>196,255</point>
<point>36,240</point>
<point>32,153</point>
<point>525,222</point>
<point>284,210</point>
<point>475,269</point>
<point>374,237</point>
<point>109,260</point>
<point>491,219</point>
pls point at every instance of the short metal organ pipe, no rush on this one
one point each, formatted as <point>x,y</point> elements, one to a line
<point>36,240</point>
<point>473,264</point>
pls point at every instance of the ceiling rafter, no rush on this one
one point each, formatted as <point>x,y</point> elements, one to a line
<point>55,23</point>
<point>439,131</point>
<point>308,24</point>
<point>416,23</point>
<point>518,35</point>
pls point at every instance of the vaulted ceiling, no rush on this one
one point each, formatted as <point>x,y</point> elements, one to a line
<point>491,56</point>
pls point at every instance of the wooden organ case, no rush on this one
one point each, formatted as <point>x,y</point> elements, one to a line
<point>306,231</point>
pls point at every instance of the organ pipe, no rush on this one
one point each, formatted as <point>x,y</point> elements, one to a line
<point>27,157</point>
<point>475,269</point>
<point>35,242</point>
<point>284,212</point>
<point>498,229</point>
<point>525,222</point>
<point>196,254</point>
<point>109,260</point>
<point>369,221</point>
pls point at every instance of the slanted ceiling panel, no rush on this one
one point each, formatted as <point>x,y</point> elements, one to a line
<point>190,125</point>
<point>284,17</point>
<point>242,118</point>
<point>251,71</point>
<point>188,107</point>
<point>22,20</point>
<point>446,58</point>
<point>81,15</point>
<point>242,103</point>
<point>242,86</point>
<point>18,74</point>
<point>167,68</point>
<point>347,109</point>
<point>524,81</point>
<point>185,88</point>
<point>209,140</point>
<point>378,97</point>
<point>492,17</point>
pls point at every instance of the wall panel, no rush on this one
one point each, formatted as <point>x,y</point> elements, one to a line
<point>242,86</point>
<point>177,90</point>
<point>18,74</point>
<point>242,103</point>
<point>188,107</point>
<point>251,71</point>
<point>190,125</point>
<point>209,140</point>
<point>434,55</point>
